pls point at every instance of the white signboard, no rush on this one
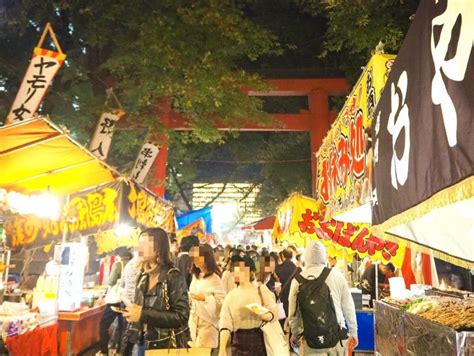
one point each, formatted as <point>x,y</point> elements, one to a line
<point>73,259</point>
<point>39,75</point>
<point>144,161</point>
<point>102,139</point>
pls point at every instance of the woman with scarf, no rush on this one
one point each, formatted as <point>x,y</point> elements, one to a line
<point>160,314</point>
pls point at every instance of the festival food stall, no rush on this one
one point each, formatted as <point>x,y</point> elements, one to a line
<point>298,219</point>
<point>423,176</point>
<point>40,164</point>
<point>106,207</point>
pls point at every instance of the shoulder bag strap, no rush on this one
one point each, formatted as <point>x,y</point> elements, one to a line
<point>318,282</point>
<point>295,272</point>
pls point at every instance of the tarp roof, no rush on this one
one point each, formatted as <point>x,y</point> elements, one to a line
<point>263,224</point>
<point>36,155</point>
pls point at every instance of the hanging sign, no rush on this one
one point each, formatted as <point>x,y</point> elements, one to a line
<point>89,212</point>
<point>354,238</point>
<point>102,139</point>
<point>85,213</point>
<point>300,218</point>
<point>423,127</point>
<point>144,161</point>
<point>39,75</point>
<point>345,157</point>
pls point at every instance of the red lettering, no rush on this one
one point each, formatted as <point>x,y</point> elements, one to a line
<point>337,232</point>
<point>357,145</point>
<point>375,244</point>
<point>306,225</point>
<point>332,171</point>
<point>359,244</point>
<point>390,250</point>
<point>343,162</point>
<point>324,182</point>
<point>325,231</point>
<point>347,233</point>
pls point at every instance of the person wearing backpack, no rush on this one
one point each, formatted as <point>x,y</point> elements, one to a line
<point>320,305</point>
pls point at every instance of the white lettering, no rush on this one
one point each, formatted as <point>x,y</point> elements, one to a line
<point>397,121</point>
<point>454,68</point>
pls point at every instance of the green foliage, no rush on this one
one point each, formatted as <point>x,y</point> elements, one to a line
<point>185,50</point>
<point>355,27</point>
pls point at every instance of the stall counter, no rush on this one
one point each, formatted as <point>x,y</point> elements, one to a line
<point>79,330</point>
<point>401,333</point>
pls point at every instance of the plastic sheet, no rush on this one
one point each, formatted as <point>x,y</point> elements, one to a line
<point>388,329</point>
<point>400,333</point>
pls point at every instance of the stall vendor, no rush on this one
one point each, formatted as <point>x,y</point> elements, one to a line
<point>368,279</point>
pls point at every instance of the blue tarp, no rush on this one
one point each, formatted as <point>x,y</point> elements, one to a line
<point>191,216</point>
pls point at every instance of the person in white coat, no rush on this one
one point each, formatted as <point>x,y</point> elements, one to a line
<point>315,261</point>
<point>206,294</point>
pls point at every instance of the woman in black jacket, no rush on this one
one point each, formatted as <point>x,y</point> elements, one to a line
<point>160,315</point>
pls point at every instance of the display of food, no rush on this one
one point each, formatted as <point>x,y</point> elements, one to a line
<point>257,308</point>
<point>453,312</point>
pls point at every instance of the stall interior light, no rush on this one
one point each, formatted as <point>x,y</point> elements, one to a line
<point>123,230</point>
<point>44,205</point>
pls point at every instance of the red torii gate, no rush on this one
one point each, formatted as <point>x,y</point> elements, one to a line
<point>317,120</point>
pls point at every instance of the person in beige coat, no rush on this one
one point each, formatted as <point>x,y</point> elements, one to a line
<point>206,295</point>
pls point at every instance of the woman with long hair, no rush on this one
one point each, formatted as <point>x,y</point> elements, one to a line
<point>206,294</point>
<point>266,274</point>
<point>160,313</point>
<point>240,321</point>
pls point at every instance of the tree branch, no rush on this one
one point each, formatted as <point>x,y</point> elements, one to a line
<point>180,187</point>
<point>217,196</point>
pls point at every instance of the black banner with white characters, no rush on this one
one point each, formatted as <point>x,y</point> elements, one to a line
<point>423,127</point>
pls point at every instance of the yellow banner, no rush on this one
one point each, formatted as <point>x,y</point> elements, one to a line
<point>344,159</point>
<point>299,219</point>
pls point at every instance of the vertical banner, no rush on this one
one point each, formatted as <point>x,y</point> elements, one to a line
<point>423,132</point>
<point>424,122</point>
<point>102,139</point>
<point>144,161</point>
<point>39,75</point>
<point>344,160</point>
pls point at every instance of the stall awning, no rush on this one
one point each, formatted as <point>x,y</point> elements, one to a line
<point>263,224</point>
<point>36,155</point>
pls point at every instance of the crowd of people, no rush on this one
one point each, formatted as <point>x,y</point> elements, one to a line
<point>223,299</point>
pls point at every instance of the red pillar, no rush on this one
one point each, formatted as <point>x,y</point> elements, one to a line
<point>319,108</point>
<point>157,181</point>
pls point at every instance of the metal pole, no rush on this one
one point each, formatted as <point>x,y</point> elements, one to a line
<point>377,281</point>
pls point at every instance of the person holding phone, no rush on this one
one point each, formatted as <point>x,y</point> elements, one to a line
<point>160,312</point>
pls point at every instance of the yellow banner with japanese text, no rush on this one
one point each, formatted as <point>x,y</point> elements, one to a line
<point>344,159</point>
<point>299,219</point>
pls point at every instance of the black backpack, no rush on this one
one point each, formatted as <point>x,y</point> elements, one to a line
<point>321,329</point>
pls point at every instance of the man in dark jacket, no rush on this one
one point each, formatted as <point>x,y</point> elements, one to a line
<point>285,272</point>
<point>184,261</point>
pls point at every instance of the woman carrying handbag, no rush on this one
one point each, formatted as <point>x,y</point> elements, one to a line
<point>240,323</point>
<point>159,319</point>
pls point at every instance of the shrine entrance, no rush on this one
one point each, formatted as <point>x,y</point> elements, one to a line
<point>316,120</point>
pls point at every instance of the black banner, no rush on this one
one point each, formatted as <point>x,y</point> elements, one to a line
<point>423,127</point>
